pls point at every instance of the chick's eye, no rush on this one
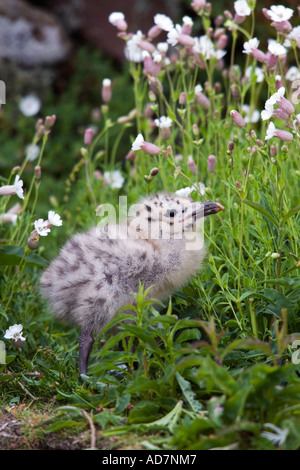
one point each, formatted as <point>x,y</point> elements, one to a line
<point>171,213</point>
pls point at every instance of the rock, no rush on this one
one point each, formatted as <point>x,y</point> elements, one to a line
<point>29,36</point>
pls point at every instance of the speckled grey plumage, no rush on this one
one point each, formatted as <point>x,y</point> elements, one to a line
<point>98,272</point>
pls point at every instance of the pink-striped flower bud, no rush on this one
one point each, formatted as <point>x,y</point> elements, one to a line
<point>88,136</point>
<point>146,46</point>
<point>141,144</point>
<point>186,40</point>
<point>272,61</point>
<point>222,42</point>
<point>278,82</point>
<point>282,26</point>
<point>155,85</point>
<point>182,98</point>
<point>211,163</point>
<point>150,66</point>
<point>228,15</point>
<point>283,135</point>
<point>192,165</point>
<point>218,20</point>
<point>259,55</point>
<point>117,19</point>
<point>49,121</point>
<point>273,150</point>
<point>237,119</point>
<point>285,106</point>
<point>131,156</point>
<point>198,5</point>
<point>279,114</point>
<point>154,31</point>
<point>202,100</point>
<point>106,92</point>
<point>239,19</point>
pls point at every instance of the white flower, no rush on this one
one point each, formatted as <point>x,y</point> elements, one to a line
<point>106,82</point>
<point>132,51</point>
<point>184,192</point>
<point>270,131</point>
<point>201,188</point>
<point>115,17</point>
<point>30,105</point>
<point>54,219</point>
<point>157,57</point>
<point>295,34</point>
<point>278,437</point>
<point>114,179</point>
<point>163,22</point>
<point>275,48</point>
<point>242,8</point>
<point>162,47</point>
<point>163,122</point>
<point>293,73</point>
<point>250,45</point>
<point>32,152</point>
<point>137,144</point>
<point>198,89</point>
<point>268,111</point>
<point>174,34</point>
<point>15,332</point>
<point>254,116</point>
<point>205,47</point>
<point>277,95</point>
<point>41,226</point>
<point>187,20</point>
<point>18,186</point>
<point>258,73</point>
<point>279,13</point>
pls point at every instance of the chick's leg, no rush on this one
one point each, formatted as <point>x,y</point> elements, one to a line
<point>86,342</point>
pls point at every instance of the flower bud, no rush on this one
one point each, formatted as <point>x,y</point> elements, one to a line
<point>230,145</point>
<point>211,163</point>
<point>192,165</point>
<point>38,172</point>
<point>182,98</point>
<point>106,90</point>
<point>237,119</point>
<point>154,172</point>
<point>33,240</point>
<point>195,129</point>
<point>88,136</point>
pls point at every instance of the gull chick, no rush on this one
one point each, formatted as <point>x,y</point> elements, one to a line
<point>99,271</point>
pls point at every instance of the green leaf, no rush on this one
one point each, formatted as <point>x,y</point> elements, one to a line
<point>143,412</point>
<point>290,214</point>
<point>263,211</point>
<point>12,256</point>
<point>188,393</point>
<point>234,405</point>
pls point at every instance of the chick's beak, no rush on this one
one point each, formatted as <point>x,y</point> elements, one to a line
<point>208,208</point>
<point>212,208</point>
